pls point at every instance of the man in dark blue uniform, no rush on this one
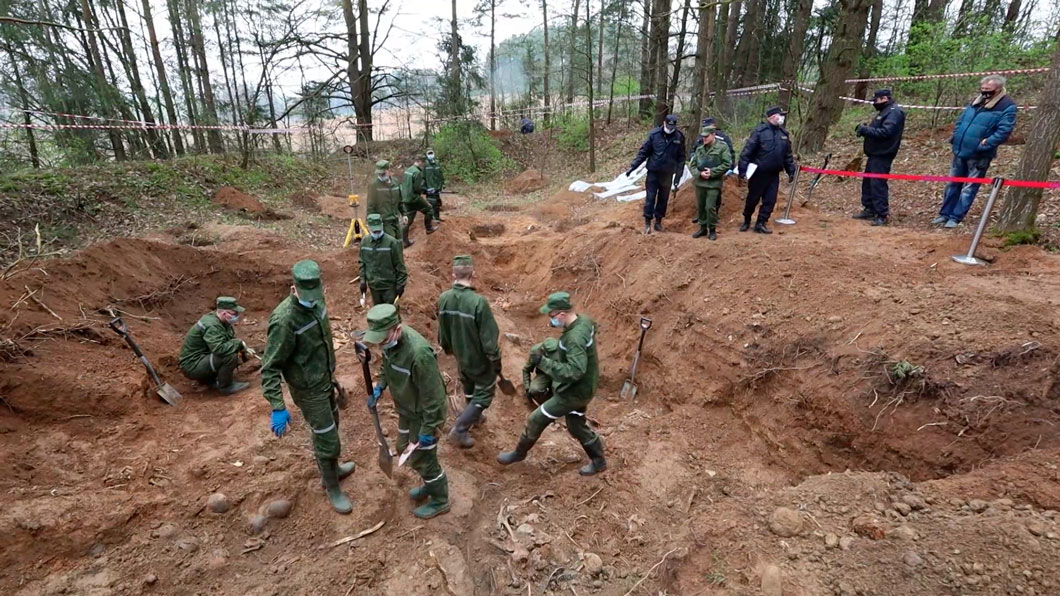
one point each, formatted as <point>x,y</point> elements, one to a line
<point>883,136</point>
<point>769,148</point>
<point>665,152</point>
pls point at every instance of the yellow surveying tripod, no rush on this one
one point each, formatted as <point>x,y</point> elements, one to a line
<point>357,227</point>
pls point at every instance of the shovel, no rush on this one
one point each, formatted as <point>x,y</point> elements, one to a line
<point>166,391</point>
<point>629,388</point>
<point>506,386</point>
<point>386,460</point>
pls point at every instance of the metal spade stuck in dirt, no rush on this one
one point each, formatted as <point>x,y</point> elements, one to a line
<point>386,459</point>
<point>506,386</point>
<point>629,388</point>
<point>166,391</point>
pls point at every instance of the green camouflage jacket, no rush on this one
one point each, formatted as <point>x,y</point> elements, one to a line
<point>432,176</point>
<point>299,348</point>
<point>384,198</point>
<point>466,329</point>
<point>410,372</point>
<point>411,184</point>
<point>716,157</point>
<point>576,370</point>
<point>209,335</point>
<point>382,263</point>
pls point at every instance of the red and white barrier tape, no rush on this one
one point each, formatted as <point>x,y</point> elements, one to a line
<point>949,75</point>
<point>928,178</point>
<point>915,107</point>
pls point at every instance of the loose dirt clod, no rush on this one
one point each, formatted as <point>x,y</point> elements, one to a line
<point>593,564</point>
<point>528,181</point>
<point>217,503</point>
<point>772,581</point>
<point>237,200</point>
<point>785,522</point>
<point>278,509</point>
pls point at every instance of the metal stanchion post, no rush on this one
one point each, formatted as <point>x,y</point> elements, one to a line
<point>970,259</point>
<point>786,220</point>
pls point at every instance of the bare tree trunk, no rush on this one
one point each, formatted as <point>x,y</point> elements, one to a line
<point>680,53</point>
<point>661,36</point>
<point>158,145</point>
<point>548,64</point>
<point>861,90</point>
<point>102,86</point>
<point>1012,16</point>
<point>454,66</point>
<point>589,84</point>
<point>163,82</point>
<point>23,98</point>
<point>731,28</point>
<point>838,64</point>
<point>1021,204</point>
<point>789,69</point>
<point>493,64</point>
<point>747,51</point>
<point>646,65</point>
<point>614,63</point>
<point>184,70</point>
<point>213,135</point>
<point>600,48</point>
<point>704,60</point>
<point>572,37</point>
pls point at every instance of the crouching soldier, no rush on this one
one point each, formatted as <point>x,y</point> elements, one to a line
<point>410,372</point>
<point>211,350</point>
<point>539,389</point>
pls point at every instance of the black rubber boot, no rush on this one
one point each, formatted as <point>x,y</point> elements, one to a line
<point>647,225</point>
<point>458,435</point>
<point>329,474</point>
<point>405,237</point>
<point>760,228</point>
<point>702,231</point>
<point>597,463</point>
<point>438,491</point>
<point>233,387</point>
<point>427,225</point>
<point>879,221</point>
<point>521,449</point>
<point>865,214</point>
<point>746,224</point>
<point>658,225</point>
<point>712,235</point>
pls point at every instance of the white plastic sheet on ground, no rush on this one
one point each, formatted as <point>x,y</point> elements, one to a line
<point>622,184</point>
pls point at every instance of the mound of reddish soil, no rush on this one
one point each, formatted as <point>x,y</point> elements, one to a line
<point>233,199</point>
<point>528,181</point>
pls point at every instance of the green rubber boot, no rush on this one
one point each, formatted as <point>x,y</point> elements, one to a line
<point>345,469</point>
<point>418,493</point>
<point>438,491</point>
<point>329,473</point>
<point>519,454</point>
<point>597,463</point>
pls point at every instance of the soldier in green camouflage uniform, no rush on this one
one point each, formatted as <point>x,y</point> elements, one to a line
<point>300,352</point>
<point>211,350</point>
<point>467,330</point>
<point>412,197</point>
<point>435,182</point>
<point>538,390</point>
<point>708,165</point>
<point>384,198</point>
<point>410,372</point>
<point>382,263</point>
<point>574,375</point>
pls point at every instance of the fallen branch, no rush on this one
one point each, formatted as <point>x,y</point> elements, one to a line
<point>41,304</point>
<point>590,497</point>
<point>931,424</point>
<point>653,568</point>
<point>359,535</point>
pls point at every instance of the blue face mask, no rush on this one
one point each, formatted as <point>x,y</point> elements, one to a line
<point>234,319</point>
<point>376,235</point>
<point>307,303</point>
<point>555,322</point>
<point>390,345</point>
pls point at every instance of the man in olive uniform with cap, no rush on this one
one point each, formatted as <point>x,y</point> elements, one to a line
<point>412,198</point>
<point>382,263</point>
<point>384,198</point>
<point>708,165</point>
<point>434,180</point>
<point>211,350</point>
<point>539,389</point>
<point>410,372</point>
<point>574,374</point>
<point>299,350</point>
<point>467,330</point>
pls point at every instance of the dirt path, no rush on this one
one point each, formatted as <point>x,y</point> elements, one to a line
<point>769,373</point>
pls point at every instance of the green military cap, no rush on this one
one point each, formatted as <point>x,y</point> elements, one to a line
<point>381,319</point>
<point>375,222</point>
<point>381,166</point>
<point>550,344</point>
<point>421,157</point>
<point>557,301</point>
<point>228,303</point>
<point>707,130</point>
<point>307,280</point>
<point>462,261</point>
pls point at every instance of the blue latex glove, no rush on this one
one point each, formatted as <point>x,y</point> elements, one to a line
<point>373,399</point>
<point>280,420</point>
<point>426,441</point>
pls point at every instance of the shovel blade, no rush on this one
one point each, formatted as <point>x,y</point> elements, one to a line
<point>386,461</point>
<point>629,390</point>
<point>506,386</point>
<point>169,394</point>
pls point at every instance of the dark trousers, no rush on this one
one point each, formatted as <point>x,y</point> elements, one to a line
<point>874,190</point>
<point>657,185</point>
<point>761,187</point>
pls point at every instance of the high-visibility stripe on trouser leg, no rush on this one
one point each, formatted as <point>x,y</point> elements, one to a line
<point>436,478</point>
<point>425,462</point>
<point>317,410</point>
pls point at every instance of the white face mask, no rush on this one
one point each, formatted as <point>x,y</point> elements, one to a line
<point>669,128</point>
<point>430,157</point>
<point>780,120</point>
<point>376,235</point>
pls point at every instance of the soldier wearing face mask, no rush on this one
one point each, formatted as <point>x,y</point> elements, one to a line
<point>384,198</point>
<point>769,147</point>
<point>883,137</point>
<point>382,264</point>
<point>211,350</point>
<point>300,352</point>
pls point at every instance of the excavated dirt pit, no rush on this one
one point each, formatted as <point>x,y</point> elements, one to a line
<point>841,410</point>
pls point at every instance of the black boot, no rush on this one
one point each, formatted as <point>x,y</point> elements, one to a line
<point>746,224</point>
<point>879,221</point>
<point>405,237</point>
<point>427,225</point>
<point>865,214</point>
<point>510,457</point>
<point>647,225</point>
<point>597,463</point>
<point>761,228</point>
<point>702,231</point>
<point>329,474</point>
<point>458,435</point>
<point>712,235</point>
<point>658,225</point>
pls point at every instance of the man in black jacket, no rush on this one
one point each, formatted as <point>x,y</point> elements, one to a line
<point>883,136</point>
<point>665,152</point>
<point>769,148</point>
